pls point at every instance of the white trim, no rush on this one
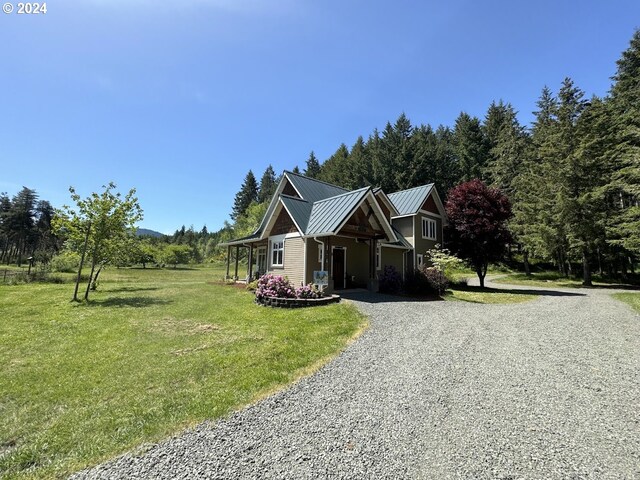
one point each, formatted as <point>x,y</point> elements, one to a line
<point>388,245</point>
<point>272,240</point>
<point>291,216</point>
<point>386,226</point>
<point>304,263</point>
<point>429,222</point>
<point>427,212</point>
<point>420,260</point>
<point>286,174</point>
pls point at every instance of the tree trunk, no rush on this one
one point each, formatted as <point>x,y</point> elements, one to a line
<point>525,259</point>
<point>94,283</point>
<point>86,293</point>
<point>84,251</point>
<point>586,270</point>
<point>481,270</point>
<point>599,262</point>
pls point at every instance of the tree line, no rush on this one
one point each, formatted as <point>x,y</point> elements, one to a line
<point>572,177</point>
<point>25,228</point>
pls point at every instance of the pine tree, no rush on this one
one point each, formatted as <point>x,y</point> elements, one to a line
<point>267,185</point>
<point>296,169</point>
<point>335,167</point>
<point>313,166</point>
<point>507,143</point>
<point>470,146</point>
<point>248,193</point>
<point>624,187</point>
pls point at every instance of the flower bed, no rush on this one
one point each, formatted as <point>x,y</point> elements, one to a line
<point>296,302</point>
<point>276,291</point>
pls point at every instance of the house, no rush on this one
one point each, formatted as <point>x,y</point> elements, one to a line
<point>312,226</point>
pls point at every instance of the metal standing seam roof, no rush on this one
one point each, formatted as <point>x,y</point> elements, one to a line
<point>313,190</point>
<point>409,201</point>
<point>402,242</point>
<point>327,215</point>
<point>299,210</point>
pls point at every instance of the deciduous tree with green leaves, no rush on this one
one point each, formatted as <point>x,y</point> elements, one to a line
<point>97,227</point>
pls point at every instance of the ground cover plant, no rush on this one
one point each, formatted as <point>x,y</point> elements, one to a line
<point>153,352</point>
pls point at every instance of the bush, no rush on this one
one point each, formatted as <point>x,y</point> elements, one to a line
<point>444,261</point>
<point>415,283</point>
<point>270,285</point>
<point>251,286</point>
<point>389,281</point>
<point>308,291</point>
<point>436,280</point>
<point>65,262</point>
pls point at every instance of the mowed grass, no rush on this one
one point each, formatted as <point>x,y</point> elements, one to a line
<point>487,295</point>
<point>631,299</point>
<point>551,279</point>
<point>154,352</point>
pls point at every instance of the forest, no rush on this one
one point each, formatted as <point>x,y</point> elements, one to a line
<point>572,178</point>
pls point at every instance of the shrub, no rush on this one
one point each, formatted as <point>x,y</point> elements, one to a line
<point>444,261</point>
<point>389,281</point>
<point>436,280</point>
<point>415,283</point>
<point>308,291</point>
<point>251,286</point>
<point>270,285</point>
<point>65,262</point>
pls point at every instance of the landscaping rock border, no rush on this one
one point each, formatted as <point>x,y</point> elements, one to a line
<point>297,302</point>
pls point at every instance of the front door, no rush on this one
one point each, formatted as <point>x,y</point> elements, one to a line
<point>337,268</point>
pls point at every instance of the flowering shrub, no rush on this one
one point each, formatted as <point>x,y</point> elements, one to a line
<point>443,260</point>
<point>389,281</point>
<point>436,279</point>
<point>308,291</point>
<point>271,285</point>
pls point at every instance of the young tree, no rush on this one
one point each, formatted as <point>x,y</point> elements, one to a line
<point>98,226</point>
<point>248,193</point>
<point>313,166</point>
<point>477,230</point>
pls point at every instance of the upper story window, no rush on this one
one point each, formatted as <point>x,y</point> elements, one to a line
<point>429,229</point>
<point>277,251</point>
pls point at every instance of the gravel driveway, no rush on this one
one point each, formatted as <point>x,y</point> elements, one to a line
<point>544,389</point>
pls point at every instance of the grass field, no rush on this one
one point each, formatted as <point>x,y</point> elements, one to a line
<point>155,351</point>
<point>632,299</point>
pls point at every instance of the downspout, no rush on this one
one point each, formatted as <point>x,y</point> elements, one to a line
<point>323,252</point>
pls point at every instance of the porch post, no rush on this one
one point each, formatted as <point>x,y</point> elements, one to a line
<point>235,277</point>
<point>228,260</point>
<point>250,266</point>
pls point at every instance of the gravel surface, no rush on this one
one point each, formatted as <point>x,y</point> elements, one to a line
<point>543,389</point>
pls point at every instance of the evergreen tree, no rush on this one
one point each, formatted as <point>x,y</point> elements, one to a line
<point>313,166</point>
<point>624,188</point>
<point>296,169</point>
<point>248,193</point>
<point>267,185</point>
<point>507,143</point>
<point>471,147</point>
<point>335,167</point>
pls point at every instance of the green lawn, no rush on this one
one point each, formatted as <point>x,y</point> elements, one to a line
<point>632,299</point>
<point>487,295</point>
<point>551,279</point>
<point>154,352</point>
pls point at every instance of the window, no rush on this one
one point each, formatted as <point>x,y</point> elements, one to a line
<point>429,228</point>
<point>277,251</point>
<point>377,256</point>
<point>420,260</point>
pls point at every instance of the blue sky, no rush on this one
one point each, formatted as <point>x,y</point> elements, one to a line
<point>180,99</point>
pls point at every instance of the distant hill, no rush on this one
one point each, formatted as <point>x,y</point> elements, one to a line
<point>148,233</point>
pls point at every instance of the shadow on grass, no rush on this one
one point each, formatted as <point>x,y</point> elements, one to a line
<point>514,291</point>
<point>135,302</point>
<point>132,289</point>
